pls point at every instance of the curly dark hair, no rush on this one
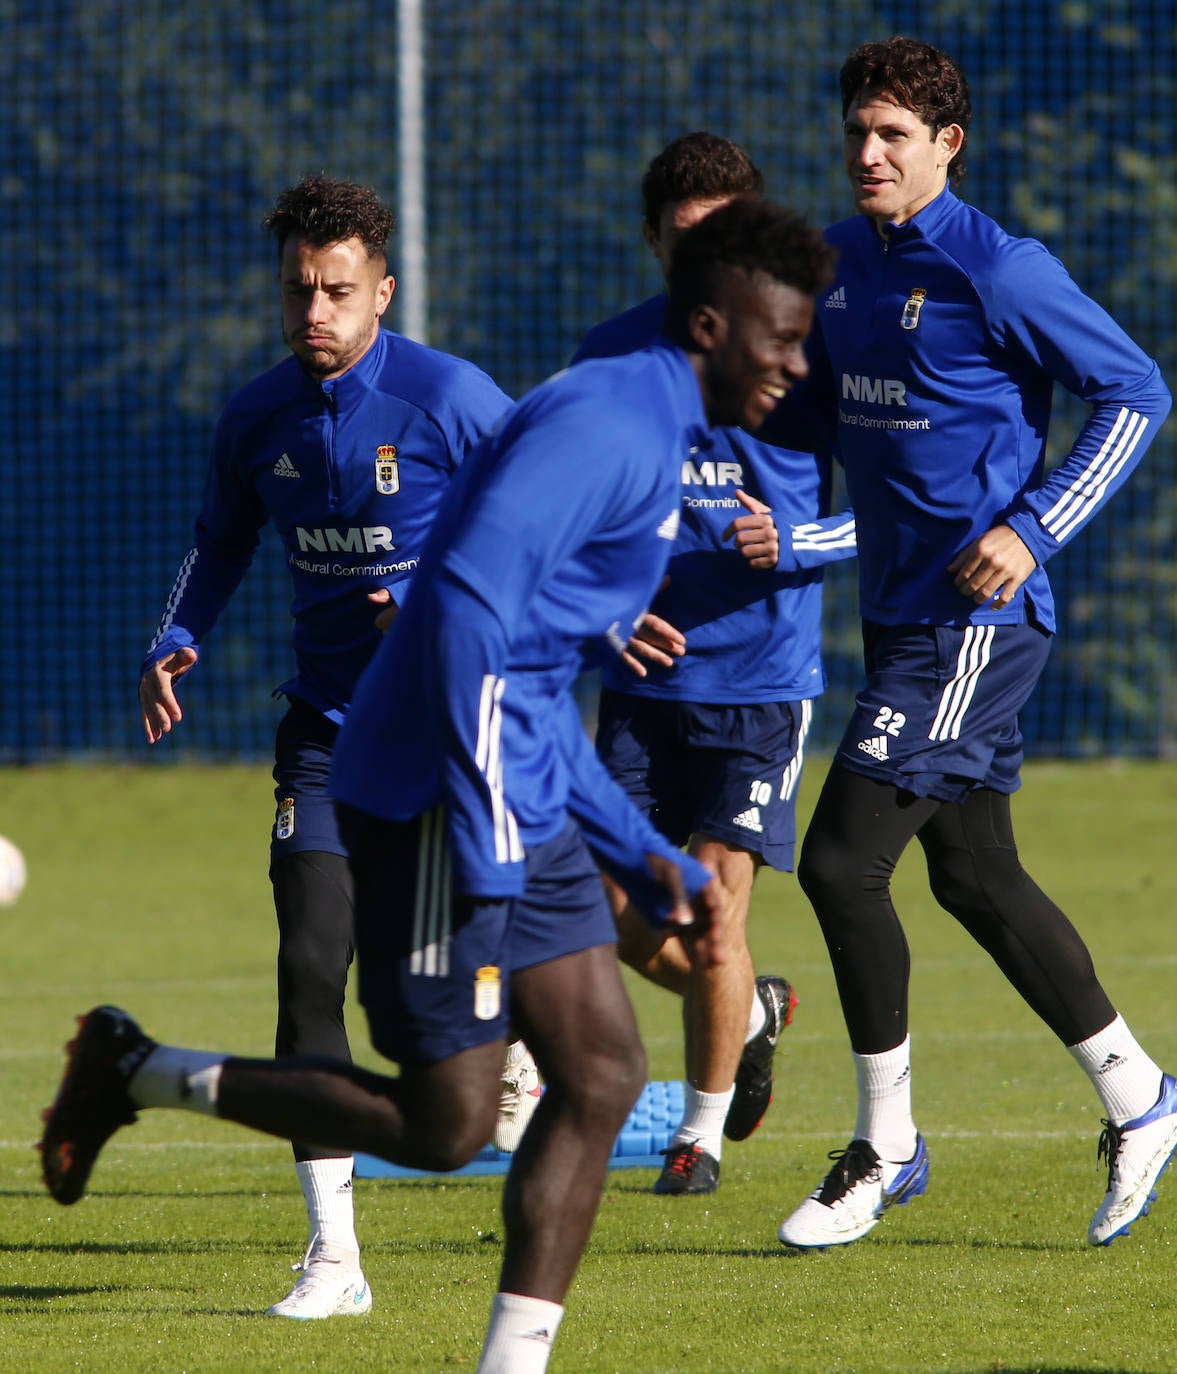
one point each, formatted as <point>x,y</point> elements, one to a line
<point>698,166</point>
<point>323,210</point>
<point>748,235</point>
<point>917,77</point>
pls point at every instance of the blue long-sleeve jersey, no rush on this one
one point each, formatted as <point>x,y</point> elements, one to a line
<point>549,547</point>
<point>351,472</point>
<point>939,347</point>
<point>753,635</point>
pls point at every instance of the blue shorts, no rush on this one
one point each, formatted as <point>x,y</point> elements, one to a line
<point>728,772</point>
<point>939,713</point>
<point>305,815</point>
<point>434,969</point>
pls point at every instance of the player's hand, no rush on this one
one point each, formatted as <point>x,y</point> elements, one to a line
<point>383,597</point>
<point>756,535</point>
<point>703,922</point>
<point>654,641</point>
<point>157,696</point>
<point>993,567</point>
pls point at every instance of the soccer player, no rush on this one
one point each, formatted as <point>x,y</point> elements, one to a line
<point>474,806</point>
<point>347,447</point>
<point>710,744</point>
<point>942,337</point>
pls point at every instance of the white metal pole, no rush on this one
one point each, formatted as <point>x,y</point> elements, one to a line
<point>412,288</point>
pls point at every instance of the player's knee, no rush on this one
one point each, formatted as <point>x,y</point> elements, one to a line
<point>963,889</point>
<point>628,1076</point>
<point>312,973</point>
<point>662,960</point>
<point>601,1090</point>
<point>440,1153</point>
<point>440,1137</point>
<point>953,884</point>
<point>827,871</point>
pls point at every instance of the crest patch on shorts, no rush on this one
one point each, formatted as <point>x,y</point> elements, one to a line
<point>488,992</point>
<point>284,823</point>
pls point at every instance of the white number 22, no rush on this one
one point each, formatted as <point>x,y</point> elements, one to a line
<point>891,721</point>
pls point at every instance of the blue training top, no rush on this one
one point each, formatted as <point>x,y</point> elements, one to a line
<point>753,634</point>
<point>547,550</point>
<point>351,472</point>
<point>939,348</point>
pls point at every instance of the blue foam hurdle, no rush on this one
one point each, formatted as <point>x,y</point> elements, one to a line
<point>644,1136</point>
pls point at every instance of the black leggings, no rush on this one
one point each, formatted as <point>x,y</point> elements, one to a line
<point>313,898</point>
<point>859,829</point>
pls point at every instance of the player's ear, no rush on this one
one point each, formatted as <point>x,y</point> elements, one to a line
<point>707,327</point>
<point>949,141</point>
<point>650,238</point>
<point>384,294</point>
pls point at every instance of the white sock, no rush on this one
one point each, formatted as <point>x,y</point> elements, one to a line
<point>756,1017</point>
<point>884,1102</point>
<point>175,1077</point>
<point>1126,1079</point>
<point>520,1335</point>
<point>703,1118</point>
<point>327,1189</point>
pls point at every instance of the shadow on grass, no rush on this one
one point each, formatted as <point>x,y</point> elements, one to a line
<point>200,1245</point>
<point>13,1294</point>
<point>888,1243</point>
<point>197,1246</point>
<point>432,1184</point>
<point>175,1194</point>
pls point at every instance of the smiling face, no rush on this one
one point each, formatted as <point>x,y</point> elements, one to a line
<point>752,347</point>
<point>332,299</point>
<point>895,162</point>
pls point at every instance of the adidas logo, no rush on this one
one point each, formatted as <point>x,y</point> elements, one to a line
<point>836,300</point>
<point>285,468</point>
<point>876,748</point>
<point>668,529</point>
<point>1113,1061</point>
<point>749,819</point>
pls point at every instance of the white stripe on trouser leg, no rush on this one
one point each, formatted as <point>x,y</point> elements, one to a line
<point>792,774</point>
<point>970,663</point>
<point>430,955</point>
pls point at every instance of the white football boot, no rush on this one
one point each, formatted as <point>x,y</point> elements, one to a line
<point>518,1098</point>
<point>330,1284</point>
<point>1138,1153</point>
<point>854,1195</point>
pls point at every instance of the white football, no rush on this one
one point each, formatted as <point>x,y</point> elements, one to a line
<point>12,872</point>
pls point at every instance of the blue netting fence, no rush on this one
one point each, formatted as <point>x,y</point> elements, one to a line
<point>144,144</point>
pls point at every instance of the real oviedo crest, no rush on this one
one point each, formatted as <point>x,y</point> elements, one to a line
<point>912,307</point>
<point>388,478</point>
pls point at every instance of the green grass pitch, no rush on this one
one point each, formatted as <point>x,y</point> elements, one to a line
<point>147,887</point>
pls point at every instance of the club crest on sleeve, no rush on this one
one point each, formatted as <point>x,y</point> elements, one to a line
<point>488,992</point>
<point>284,824</point>
<point>388,480</point>
<point>912,307</point>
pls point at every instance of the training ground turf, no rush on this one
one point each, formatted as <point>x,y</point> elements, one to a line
<point>147,887</point>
